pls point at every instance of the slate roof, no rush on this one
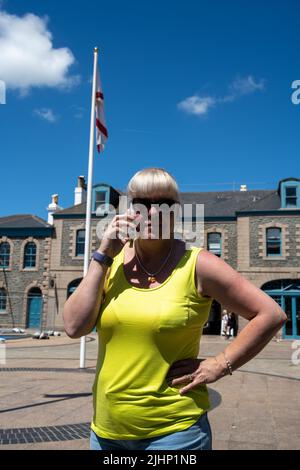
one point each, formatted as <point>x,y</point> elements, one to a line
<point>23,221</point>
<point>78,209</point>
<point>227,203</point>
<point>216,204</point>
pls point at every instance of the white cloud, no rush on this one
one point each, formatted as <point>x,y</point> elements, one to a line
<point>27,56</point>
<point>243,86</point>
<point>200,105</point>
<point>47,114</point>
<point>196,104</point>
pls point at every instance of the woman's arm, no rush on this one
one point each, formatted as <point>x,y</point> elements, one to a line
<point>221,282</point>
<point>82,307</point>
<point>218,280</point>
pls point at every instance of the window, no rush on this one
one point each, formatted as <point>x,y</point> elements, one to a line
<point>289,192</point>
<point>100,198</point>
<point>214,243</point>
<point>273,241</point>
<point>80,241</point>
<point>291,196</point>
<point>30,255</point>
<point>2,301</point>
<point>4,255</point>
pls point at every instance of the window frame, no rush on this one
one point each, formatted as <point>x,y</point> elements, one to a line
<point>3,311</point>
<point>220,243</point>
<point>98,189</point>
<point>32,243</point>
<point>2,266</point>
<point>77,243</point>
<point>291,197</point>
<point>270,255</point>
<point>284,186</point>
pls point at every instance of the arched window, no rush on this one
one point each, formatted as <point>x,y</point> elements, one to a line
<point>3,299</point>
<point>30,255</point>
<point>273,238</point>
<point>214,243</point>
<point>80,241</point>
<point>4,254</point>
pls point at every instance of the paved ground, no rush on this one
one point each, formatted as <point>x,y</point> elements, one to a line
<point>46,400</point>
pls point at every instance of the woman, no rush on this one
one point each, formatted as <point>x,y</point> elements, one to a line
<point>224,322</point>
<point>149,308</point>
<point>231,325</point>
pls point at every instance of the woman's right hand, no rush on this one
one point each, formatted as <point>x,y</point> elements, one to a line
<point>117,232</point>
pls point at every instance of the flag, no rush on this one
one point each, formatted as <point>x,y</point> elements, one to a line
<point>101,130</point>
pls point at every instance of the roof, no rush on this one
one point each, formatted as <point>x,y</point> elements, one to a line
<point>80,209</point>
<point>216,204</point>
<point>24,225</point>
<point>227,203</point>
<point>73,210</point>
<point>23,221</point>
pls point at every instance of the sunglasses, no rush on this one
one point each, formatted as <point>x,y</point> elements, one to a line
<point>149,202</point>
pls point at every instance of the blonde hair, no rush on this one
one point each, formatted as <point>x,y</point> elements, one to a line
<point>151,181</point>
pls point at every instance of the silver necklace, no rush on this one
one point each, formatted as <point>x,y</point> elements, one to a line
<point>151,276</point>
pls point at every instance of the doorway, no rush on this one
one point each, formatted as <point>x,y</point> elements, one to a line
<point>34,308</point>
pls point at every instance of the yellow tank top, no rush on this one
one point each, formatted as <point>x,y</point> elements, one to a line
<point>141,333</point>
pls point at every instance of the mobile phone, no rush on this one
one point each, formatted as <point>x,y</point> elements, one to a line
<point>132,212</point>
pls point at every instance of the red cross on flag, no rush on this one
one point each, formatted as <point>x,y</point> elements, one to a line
<point>101,130</point>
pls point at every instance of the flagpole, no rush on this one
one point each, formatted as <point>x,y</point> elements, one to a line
<point>89,195</point>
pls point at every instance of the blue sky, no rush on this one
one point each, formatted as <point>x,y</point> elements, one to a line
<point>200,88</point>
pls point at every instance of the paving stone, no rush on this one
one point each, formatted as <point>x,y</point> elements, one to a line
<point>258,407</point>
<point>248,445</point>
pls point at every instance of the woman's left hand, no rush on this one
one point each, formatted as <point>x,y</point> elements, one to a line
<point>195,372</point>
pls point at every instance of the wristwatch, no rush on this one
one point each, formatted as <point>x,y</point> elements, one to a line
<point>102,259</point>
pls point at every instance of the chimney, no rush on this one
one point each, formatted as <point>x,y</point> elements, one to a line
<point>243,187</point>
<point>80,191</point>
<point>52,208</point>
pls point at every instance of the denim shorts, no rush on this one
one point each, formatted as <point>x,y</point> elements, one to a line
<point>196,437</point>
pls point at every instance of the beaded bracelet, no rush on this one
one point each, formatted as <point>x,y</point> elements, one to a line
<point>228,363</point>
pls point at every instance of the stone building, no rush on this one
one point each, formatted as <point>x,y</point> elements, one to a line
<point>257,232</point>
<point>25,246</point>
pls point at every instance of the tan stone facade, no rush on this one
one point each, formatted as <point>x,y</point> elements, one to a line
<point>237,239</point>
<point>20,282</point>
<point>241,220</point>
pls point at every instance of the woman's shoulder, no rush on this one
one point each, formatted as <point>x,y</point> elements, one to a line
<point>208,264</point>
<point>214,274</point>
